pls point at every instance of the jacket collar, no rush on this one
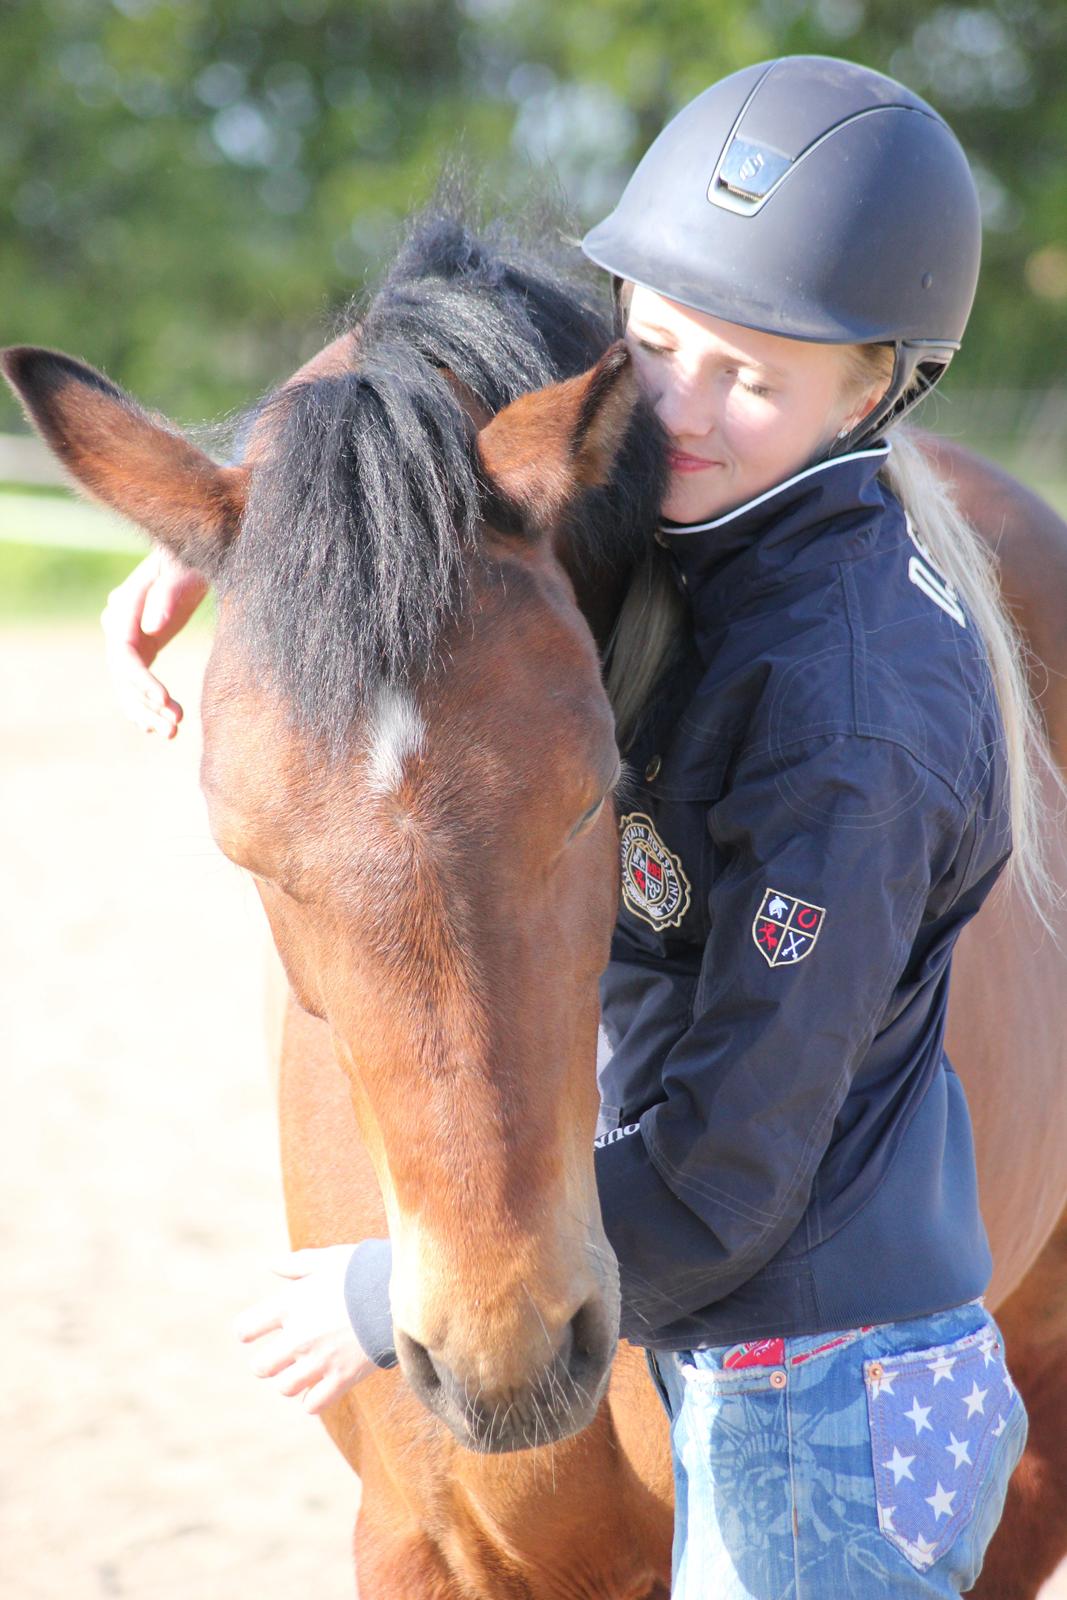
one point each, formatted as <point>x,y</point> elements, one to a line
<point>825,513</point>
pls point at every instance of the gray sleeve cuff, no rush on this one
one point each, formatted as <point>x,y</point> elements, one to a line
<point>367,1299</point>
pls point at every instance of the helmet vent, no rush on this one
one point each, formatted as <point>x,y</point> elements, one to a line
<point>750,170</point>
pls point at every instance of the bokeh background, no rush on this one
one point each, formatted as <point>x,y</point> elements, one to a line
<point>190,190</point>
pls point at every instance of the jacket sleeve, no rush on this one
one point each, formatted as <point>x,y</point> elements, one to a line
<point>366,1291</point>
<point>710,1182</point>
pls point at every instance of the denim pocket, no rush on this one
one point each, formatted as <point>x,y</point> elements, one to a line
<point>706,1380</point>
<point>947,1429</point>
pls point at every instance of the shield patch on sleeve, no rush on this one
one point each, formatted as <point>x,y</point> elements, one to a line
<point>784,929</point>
<point>654,885</point>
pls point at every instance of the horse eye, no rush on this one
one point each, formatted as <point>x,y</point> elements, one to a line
<point>590,816</point>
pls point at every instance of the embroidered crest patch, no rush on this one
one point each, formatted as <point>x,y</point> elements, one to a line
<point>653,884</point>
<point>785,929</point>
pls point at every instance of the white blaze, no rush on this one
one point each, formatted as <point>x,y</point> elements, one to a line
<point>396,733</point>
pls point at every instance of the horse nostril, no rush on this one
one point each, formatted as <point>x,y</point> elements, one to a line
<point>422,1370</point>
<point>588,1341</point>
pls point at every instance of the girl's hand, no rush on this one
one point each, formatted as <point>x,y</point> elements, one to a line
<point>302,1336</point>
<point>143,614</point>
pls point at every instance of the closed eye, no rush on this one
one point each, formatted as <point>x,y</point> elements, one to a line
<point>589,817</point>
<point>750,384</point>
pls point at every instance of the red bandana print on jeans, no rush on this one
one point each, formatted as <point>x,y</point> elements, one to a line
<point>771,1352</point>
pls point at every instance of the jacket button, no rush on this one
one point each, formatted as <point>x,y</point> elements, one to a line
<point>778,1379</point>
<point>652,770</point>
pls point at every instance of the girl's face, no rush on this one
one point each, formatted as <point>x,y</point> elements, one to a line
<point>742,410</point>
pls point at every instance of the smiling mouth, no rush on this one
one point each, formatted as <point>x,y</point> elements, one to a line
<point>681,462</point>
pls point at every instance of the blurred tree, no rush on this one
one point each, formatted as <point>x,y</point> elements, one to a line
<point>189,186</point>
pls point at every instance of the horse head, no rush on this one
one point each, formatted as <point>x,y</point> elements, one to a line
<point>408,745</point>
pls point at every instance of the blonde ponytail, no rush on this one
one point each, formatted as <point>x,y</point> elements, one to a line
<point>642,642</point>
<point>972,570</point>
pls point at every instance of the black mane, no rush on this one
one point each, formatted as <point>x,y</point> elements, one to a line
<point>363,520</point>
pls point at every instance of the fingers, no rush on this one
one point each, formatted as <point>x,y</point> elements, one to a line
<point>145,701</point>
<point>319,1381</point>
<point>297,1264</point>
<point>324,1393</point>
<point>141,614</point>
<point>274,1355</point>
<point>301,1373</point>
<point>255,1321</point>
<point>143,698</point>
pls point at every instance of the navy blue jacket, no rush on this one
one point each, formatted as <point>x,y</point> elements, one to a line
<point>819,804</point>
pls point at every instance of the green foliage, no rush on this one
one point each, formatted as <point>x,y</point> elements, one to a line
<point>191,187</point>
<point>36,581</point>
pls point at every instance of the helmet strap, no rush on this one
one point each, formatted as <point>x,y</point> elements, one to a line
<point>916,369</point>
<point>618,315</point>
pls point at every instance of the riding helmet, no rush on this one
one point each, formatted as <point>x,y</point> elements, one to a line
<point>812,198</point>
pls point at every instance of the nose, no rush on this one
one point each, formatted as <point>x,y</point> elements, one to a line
<point>554,1402</point>
<point>685,408</point>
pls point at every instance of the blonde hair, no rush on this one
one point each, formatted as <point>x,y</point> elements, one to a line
<point>649,626</point>
<point>972,571</point>
<point>647,630</point>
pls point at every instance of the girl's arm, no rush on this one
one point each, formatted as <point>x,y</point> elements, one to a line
<point>702,1189</point>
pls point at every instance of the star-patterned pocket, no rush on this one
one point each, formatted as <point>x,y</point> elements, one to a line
<point>937,1418</point>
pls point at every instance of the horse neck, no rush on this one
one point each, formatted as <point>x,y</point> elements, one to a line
<point>1029,542</point>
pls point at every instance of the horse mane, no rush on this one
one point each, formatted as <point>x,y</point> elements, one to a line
<point>365,504</point>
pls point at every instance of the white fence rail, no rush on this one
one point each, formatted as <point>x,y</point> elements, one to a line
<point>24,459</point>
<point>57,520</point>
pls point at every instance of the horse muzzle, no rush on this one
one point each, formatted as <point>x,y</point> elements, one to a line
<point>556,1401</point>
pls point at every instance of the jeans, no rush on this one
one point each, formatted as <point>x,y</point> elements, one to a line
<point>865,1463</point>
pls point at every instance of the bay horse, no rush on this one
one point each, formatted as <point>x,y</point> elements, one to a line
<point>408,744</point>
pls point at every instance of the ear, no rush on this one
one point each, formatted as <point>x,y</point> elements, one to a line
<point>542,451</point>
<point>137,464</point>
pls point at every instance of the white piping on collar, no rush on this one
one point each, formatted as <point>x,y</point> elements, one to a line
<point>768,494</point>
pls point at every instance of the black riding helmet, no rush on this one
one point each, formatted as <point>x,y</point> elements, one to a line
<point>812,198</point>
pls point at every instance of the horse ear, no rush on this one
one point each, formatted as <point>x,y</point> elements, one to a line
<point>137,464</point>
<point>542,451</point>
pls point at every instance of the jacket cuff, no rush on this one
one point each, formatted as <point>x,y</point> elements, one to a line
<point>366,1290</point>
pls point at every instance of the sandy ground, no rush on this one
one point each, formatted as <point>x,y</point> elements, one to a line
<point>139,1188</point>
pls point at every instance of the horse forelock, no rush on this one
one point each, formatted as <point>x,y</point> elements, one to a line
<point>363,526</point>
<point>366,501</point>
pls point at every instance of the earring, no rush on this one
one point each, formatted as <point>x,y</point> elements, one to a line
<point>842,432</point>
